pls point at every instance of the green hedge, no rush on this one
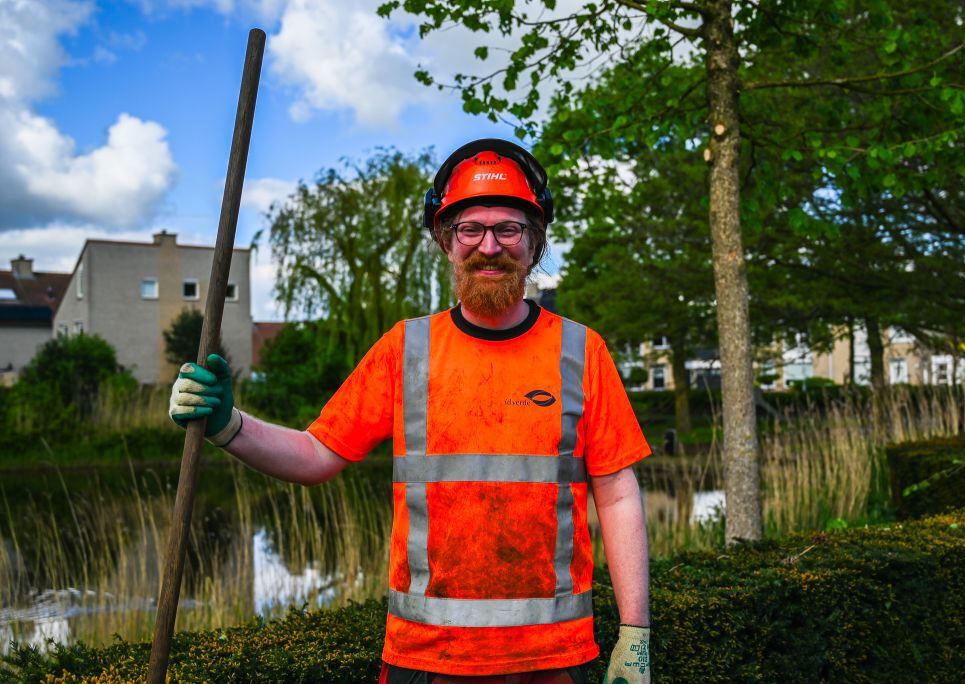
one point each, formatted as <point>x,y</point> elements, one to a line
<point>880,604</point>
<point>927,477</point>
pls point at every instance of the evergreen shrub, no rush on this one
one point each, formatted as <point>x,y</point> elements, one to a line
<point>878,604</point>
<point>927,477</point>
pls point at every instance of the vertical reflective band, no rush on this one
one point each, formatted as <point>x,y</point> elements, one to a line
<point>572,362</point>
<point>415,400</point>
<point>415,384</point>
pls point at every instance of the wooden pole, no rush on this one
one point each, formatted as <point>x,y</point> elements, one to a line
<point>210,332</point>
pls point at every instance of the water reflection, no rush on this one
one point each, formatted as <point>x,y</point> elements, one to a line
<point>277,587</point>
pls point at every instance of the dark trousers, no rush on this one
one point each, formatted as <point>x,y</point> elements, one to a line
<point>400,675</point>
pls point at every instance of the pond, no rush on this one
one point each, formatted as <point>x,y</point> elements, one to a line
<point>80,548</point>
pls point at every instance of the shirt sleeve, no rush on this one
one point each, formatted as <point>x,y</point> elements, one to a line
<point>614,439</point>
<point>359,415</point>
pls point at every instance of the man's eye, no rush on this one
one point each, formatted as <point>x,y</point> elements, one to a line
<point>471,230</point>
<point>511,230</point>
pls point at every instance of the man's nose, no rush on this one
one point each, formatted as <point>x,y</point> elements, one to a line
<point>489,245</point>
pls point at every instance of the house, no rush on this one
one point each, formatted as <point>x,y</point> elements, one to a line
<point>28,300</point>
<point>130,292</point>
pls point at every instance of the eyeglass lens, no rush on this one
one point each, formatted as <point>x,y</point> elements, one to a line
<point>507,233</point>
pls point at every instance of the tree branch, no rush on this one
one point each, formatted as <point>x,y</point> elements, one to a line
<point>844,82</point>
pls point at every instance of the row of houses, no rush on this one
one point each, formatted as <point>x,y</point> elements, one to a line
<point>906,362</point>
<point>128,293</point>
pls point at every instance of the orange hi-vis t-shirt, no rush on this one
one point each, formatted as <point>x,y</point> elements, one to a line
<point>495,434</point>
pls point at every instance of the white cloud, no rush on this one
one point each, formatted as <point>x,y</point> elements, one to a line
<point>42,176</point>
<point>260,193</point>
<point>340,55</point>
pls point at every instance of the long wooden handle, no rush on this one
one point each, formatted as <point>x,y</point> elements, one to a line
<point>213,309</point>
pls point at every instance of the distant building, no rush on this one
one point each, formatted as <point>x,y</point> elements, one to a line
<point>28,300</point>
<point>906,360</point>
<point>263,332</point>
<point>130,292</point>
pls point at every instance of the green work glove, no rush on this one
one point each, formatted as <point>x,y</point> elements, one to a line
<point>630,660</point>
<point>200,393</point>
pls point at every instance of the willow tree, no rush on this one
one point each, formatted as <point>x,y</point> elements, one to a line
<point>815,48</point>
<point>351,249</point>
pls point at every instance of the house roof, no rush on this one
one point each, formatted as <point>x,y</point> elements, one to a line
<point>35,298</point>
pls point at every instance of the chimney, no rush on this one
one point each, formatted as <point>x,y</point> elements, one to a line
<point>165,238</point>
<point>23,268</point>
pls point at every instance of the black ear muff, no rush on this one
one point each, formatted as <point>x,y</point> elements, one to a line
<point>545,200</point>
<point>432,203</point>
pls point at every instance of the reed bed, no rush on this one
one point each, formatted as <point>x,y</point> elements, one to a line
<point>99,559</point>
<point>821,465</point>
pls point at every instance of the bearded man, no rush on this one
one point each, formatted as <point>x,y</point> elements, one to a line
<point>503,417</point>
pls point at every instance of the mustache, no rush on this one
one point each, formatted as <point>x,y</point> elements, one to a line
<point>500,262</point>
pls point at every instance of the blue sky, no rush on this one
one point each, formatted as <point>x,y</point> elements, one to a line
<point>116,117</point>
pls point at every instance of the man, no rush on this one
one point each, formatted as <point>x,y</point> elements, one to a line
<point>500,413</point>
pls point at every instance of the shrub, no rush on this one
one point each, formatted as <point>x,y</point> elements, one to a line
<point>183,338</point>
<point>927,477</point>
<point>863,605</point>
<point>58,389</point>
<point>300,369</point>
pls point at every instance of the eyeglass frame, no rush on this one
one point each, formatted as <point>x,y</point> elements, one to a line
<point>454,227</point>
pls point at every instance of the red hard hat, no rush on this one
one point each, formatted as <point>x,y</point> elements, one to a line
<point>488,172</point>
<point>488,176</point>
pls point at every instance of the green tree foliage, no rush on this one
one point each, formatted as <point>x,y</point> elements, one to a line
<point>183,338</point>
<point>297,373</point>
<point>764,58</point>
<point>351,249</point>
<point>59,388</point>
<point>640,266</point>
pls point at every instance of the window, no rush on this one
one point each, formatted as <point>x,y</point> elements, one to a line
<point>899,371</point>
<point>78,327</point>
<point>62,329</point>
<point>661,342</point>
<point>149,288</point>
<point>189,288</point>
<point>659,377</point>
<point>232,293</point>
<point>80,281</point>
<point>941,373</point>
<point>798,371</point>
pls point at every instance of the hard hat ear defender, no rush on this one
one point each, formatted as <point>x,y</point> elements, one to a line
<point>478,173</point>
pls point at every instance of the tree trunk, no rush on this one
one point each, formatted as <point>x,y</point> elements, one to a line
<point>876,350</point>
<point>681,389</point>
<point>851,368</point>
<point>742,471</point>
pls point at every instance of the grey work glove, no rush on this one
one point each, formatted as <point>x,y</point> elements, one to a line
<point>630,660</point>
<point>200,393</point>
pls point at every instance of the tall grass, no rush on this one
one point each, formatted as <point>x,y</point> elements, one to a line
<point>819,463</point>
<point>100,560</point>
<point>820,466</point>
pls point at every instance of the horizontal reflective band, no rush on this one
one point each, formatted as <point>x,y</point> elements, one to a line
<point>449,612</point>
<point>487,468</point>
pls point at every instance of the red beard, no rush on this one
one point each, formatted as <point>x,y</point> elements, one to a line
<point>489,296</point>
